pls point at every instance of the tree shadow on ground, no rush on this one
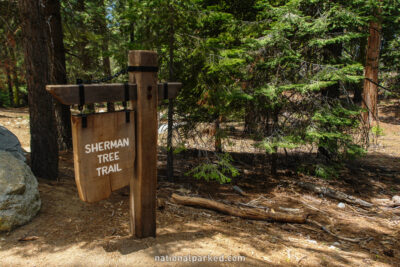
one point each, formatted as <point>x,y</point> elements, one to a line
<point>394,110</point>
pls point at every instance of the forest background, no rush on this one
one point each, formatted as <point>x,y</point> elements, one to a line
<point>298,76</point>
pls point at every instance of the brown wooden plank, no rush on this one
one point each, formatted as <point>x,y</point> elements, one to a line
<point>144,183</point>
<point>91,151</point>
<point>94,93</point>
<point>108,92</point>
<point>173,90</point>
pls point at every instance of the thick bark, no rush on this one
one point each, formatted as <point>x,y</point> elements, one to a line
<point>370,90</point>
<point>58,71</point>
<point>252,214</point>
<point>44,149</point>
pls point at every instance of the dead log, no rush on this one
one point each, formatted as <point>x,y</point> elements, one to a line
<point>334,194</point>
<point>252,214</point>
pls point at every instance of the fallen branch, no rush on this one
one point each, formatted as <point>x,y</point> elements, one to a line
<point>334,194</point>
<point>252,206</point>
<point>239,190</point>
<point>28,238</point>
<point>252,214</point>
<point>393,206</point>
<point>353,240</point>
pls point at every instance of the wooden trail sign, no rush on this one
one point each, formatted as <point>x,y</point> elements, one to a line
<point>111,151</point>
<point>104,153</point>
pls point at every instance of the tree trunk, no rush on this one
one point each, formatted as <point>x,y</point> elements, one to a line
<point>15,76</point>
<point>217,135</point>
<point>58,72</point>
<point>44,149</point>
<point>84,53</point>
<point>104,49</point>
<point>9,85</point>
<point>370,90</point>
<point>250,119</point>
<point>332,55</point>
<point>131,29</point>
<point>358,88</point>
<point>107,70</point>
<point>132,33</point>
<point>274,155</point>
<point>170,152</point>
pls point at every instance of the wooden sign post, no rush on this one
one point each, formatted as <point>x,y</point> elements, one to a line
<point>144,183</point>
<point>110,150</point>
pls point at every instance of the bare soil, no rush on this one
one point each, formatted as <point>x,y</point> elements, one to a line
<point>69,232</point>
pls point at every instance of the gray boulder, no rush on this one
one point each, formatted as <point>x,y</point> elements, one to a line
<point>9,142</point>
<point>19,194</point>
<point>396,199</point>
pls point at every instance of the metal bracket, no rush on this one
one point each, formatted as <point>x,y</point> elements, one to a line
<point>82,102</point>
<point>142,69</point>
<point>125,103</point>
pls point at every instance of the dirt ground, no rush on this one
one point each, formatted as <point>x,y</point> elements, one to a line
<point>69,232</point>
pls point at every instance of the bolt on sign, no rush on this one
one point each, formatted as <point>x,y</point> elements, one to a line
<point>116,149</point>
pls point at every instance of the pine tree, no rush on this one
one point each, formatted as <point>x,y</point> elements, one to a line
<point>58,70</point>
<point>44,149</point>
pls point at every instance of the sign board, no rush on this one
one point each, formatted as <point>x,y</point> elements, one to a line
<point>111,151</point>
<point>104,153</point>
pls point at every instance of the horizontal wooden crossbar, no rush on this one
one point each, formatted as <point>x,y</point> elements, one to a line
<point>108,92</point>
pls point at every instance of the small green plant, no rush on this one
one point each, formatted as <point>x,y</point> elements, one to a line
<point>304,169</point>
<point>179,148</point>
<point>377,131</point>
<point>219,171</point>
<point>354,151</point>
<point>325,172</point>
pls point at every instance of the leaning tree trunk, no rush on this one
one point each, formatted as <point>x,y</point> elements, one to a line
<point>58,71</point>
<point>370,91</point>
<point>44,149</point>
